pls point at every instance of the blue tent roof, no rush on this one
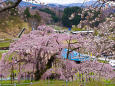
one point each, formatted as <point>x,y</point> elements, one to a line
<point>74,55</point>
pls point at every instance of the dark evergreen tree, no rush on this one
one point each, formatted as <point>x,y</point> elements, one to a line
<point>67,13</point>
<point>27,13</point>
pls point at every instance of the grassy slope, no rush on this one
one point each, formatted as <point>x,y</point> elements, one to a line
<point>11,26</point>
<point>4,44</point>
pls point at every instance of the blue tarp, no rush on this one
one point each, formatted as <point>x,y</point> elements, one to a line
<point>69,29</point>
<point>74,56</point>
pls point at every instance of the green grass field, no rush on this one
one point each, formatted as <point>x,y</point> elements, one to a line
<point>4,44</point>
<point>57,83</point>
<point>8,83</point>
<point>74,83</point>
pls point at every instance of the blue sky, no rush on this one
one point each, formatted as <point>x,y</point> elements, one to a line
<point>61,1</point>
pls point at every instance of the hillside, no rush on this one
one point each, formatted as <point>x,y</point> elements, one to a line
<point>45,17</point>
<point>11,26</point>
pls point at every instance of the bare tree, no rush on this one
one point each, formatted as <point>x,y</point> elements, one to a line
<point>6,5</point>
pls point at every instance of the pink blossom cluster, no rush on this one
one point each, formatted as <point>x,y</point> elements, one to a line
<point>70,70</point>
<point>33,52</point>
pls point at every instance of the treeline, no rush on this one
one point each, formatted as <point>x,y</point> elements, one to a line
<point>33,19</point>
<point>53,15</point>
<point>66,14</point>
<point>28,15</point>
<point>71,16</point>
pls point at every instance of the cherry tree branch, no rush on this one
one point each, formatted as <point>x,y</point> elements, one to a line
<point>16,3</point>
